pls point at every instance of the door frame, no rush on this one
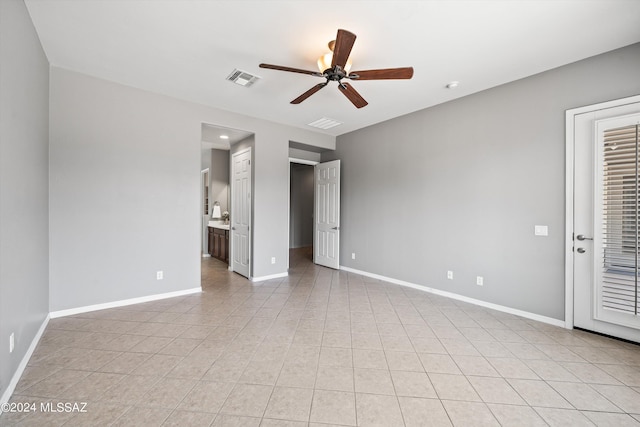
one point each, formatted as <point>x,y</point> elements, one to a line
<point>302,162</point>
<point>569,195</point>
<point>204,243</point>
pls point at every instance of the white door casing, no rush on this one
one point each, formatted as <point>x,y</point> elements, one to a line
<point>584,269</point>
<point>326,225</point>
<point>241,213</point>
<point>204,211</point>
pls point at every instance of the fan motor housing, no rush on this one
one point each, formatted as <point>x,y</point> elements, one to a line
<point>335,74</point>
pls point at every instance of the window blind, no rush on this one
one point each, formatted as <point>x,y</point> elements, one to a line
<point>621,219</point>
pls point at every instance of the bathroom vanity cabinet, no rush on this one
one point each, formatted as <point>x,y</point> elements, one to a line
<point>219,243</point>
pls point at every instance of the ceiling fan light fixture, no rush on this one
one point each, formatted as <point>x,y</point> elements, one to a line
<point>324,62</point>
<point>338,67</point>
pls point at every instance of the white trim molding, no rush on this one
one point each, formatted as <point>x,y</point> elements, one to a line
<point>23,363</point>
<point>303,161</point>
<point>269,277</point>
<point>502,308</point>
<point>568,211</point>
<point>122,303</point>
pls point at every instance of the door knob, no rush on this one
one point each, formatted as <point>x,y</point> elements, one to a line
<point>582,237</point>
<point>336,228</point>
<point>581,250</point>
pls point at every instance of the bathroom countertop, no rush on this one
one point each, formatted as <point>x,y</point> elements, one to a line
<point>218,224</point>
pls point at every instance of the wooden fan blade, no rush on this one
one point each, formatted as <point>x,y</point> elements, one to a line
<point>290,69</point>
<point>352,94</point>
<point>308,93</point>
<point>342,48</point>
<point>383,74</point>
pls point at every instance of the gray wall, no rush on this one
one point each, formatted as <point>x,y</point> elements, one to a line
<point>125,190</point>
<point>461,185</point>
<point>301,206</point>
<point>24,186</point>
<point>217,161</point>
<point>219,174</point>
<point>270,233</point>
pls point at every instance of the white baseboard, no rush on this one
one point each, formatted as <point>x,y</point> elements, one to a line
<point>55,314</point>
<point>272,276</point>
<point>23,363</point>
<point>502,308</point>
<point>122,303</point>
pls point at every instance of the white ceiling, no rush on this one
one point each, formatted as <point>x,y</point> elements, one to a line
<point>221,138</point>
<point>186,48</point>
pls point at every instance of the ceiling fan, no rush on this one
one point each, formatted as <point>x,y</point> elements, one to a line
<point>341,48</point>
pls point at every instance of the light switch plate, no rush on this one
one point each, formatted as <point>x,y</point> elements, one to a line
<point>541,230</point>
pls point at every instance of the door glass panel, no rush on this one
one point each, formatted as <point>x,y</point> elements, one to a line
<point>618,216</point>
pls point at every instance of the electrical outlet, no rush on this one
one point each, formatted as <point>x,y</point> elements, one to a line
<point>353,255</point>
<point>273,260</point>
<point>541,230</point>
<point>12,342</point>
<point>450,275</point>
<point>479,281</point>
<point>159,275</point>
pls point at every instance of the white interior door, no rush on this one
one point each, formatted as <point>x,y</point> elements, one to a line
<point>606,205</point>
<point>241,212</point>
<point>326,226</point>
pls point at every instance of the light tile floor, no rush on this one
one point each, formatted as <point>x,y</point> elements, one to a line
<point>319,348</point>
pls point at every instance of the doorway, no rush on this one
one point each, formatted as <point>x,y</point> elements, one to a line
<point>301,199</point>
<point>323,192</point>
<point>603,218</point>
<point>217,145</point>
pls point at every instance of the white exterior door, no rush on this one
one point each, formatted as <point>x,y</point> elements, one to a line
<point>241,212</point>
<point>606,223</point>
<point>326,226</point>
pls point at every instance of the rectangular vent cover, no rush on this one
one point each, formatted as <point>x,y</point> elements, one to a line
<point>325,123</point>
<point>242,78</point>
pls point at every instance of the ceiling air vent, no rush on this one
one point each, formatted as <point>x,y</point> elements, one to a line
<point>242,78</point>
<point>325,123</point>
